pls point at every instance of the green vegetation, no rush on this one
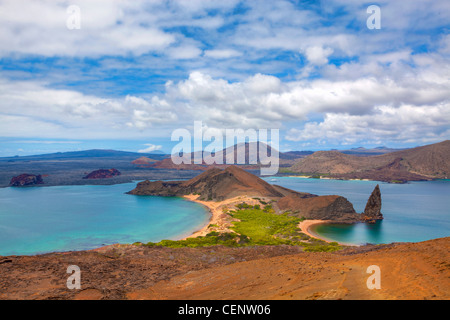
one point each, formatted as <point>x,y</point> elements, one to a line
<point>256,226</point>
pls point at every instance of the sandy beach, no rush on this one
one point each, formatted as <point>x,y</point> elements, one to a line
<point>305,226</point>
<point>218,218</point>
<point>221,221</point>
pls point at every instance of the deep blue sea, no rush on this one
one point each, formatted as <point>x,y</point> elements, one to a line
<point>415,211</point>
<point>46,219</point>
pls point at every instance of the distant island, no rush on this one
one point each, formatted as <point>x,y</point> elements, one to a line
<point>217,185</point>
<point>416,164</point>
<point>428,162</point>
<point>102,174</point>
<point>26,179</point>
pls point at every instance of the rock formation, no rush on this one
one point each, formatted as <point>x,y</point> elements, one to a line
<point>372,212</point>
<point>102,174</point>
<point>331,207</point>
<point>213,184</point>
<point>26,179</point>
<point>216,184</point>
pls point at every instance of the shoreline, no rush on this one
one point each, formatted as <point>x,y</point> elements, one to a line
<point>306,225</point>
<point>215,215</point>
<point>218,218</point>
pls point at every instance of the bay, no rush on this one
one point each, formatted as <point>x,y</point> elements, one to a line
<point>64,218</point>
<point>413,212</point>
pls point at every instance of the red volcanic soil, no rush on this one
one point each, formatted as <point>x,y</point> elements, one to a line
<point>408,271</point>
<point>102,174</point>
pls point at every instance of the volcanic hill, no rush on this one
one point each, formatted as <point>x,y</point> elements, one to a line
<point>218,185</point>
<point>246,155</point>
<point>421,163</point>
<point>213,184</point>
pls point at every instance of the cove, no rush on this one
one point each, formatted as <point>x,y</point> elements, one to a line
<point>413,212</point>
<point>65,218</point>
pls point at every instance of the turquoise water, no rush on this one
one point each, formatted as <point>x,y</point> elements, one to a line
<point>47,219</point>
<point>414,211</point>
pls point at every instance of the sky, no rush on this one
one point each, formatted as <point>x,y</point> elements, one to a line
<point>98,74</point>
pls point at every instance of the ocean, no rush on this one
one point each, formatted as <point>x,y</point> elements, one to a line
<point>415,211</point>
<point>64,218</point>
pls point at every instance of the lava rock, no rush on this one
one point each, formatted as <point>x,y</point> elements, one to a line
<point>26,179</point>
<point>373,206</point>
<point>102,174</point>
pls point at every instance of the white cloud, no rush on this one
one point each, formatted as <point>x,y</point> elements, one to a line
<point>318,55</point>
<point>378,91</point>
<point>397,106</point>
<point>30,109</point>
<point>184,52</point>
<point>222,53</point>
<point>150,148</point>
<point>404,124</point>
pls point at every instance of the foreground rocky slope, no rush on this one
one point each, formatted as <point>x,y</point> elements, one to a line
<point>408,271</point>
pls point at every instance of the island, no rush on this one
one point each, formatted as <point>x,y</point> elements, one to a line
<point>26,179</point>
<point>222,189</point>
<point>103,174</point>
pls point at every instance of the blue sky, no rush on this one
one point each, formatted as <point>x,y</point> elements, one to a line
<point>137,70</point>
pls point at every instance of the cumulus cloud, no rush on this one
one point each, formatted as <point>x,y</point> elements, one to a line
<point>404,124</point>
<point>30,109</point>
<point>318,55</point>
<point>258,64</point>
